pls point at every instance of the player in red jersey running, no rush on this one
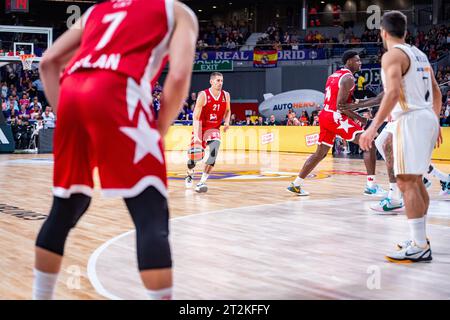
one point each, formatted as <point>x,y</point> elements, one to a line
<point>335,121</point>
<point>111,58</point>
<point>212,106</point>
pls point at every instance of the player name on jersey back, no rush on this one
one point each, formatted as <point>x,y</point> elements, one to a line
<point>105,61</point>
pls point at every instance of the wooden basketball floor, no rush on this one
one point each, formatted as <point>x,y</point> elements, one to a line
<point>247,238</point>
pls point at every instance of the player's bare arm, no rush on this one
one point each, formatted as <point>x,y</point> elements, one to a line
<point>181,52</point>
<point>54,60</point>
<point>394,62</point>
<point>199,104</point>
<point>344,90</point>
<point>437,106</point>
<point>227,115</point>
<point>361,104</point>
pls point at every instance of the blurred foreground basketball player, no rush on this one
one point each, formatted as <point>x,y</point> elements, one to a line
<point>112,56</point>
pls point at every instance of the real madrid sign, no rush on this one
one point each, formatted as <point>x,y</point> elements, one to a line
<point>213,65</point>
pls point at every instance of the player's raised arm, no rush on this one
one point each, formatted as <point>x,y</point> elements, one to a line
<point>227,112</point>
<point>199,104</point>
<point>182,53</point>
<point>54,60</point>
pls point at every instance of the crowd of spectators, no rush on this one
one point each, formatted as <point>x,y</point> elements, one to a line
<point>223,37</point>
<point>24,106</point>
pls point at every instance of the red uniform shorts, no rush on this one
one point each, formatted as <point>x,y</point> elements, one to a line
<point>335,123</point>
<point>105,121</point>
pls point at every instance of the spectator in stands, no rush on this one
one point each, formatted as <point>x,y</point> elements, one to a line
<point>35,112</point>
<point>248,121</point>
<point>272,121</point>
<point>304,119</point>
<point>315,121</point>
<point>233,119</point>
<point>24,112</point>
<point>12,103</point>
<point>35,103</point>
<point>156,102</point>
<point>48,118</point>
<point>31,90</point>
<point>3,104</point>
<point>4,90</point>
<point>25,100</point>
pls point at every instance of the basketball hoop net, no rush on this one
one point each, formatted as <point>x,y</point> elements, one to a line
<point>27,61</point>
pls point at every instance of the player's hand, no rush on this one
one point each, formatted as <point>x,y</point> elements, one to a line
<point>226,126</point>
<point>439,139</point>
<point>366,139</point>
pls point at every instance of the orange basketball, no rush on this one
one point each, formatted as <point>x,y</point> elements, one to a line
<point>196,154</point>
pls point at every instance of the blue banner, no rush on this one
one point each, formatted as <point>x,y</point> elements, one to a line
<point>284,55</point>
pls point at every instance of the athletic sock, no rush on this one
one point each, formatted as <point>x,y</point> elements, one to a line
<point>162,294</point>
<point>394,192</point>
<point>371,181</point>
<point>417,230</point>
<point>298,181</point>
<point>438,174</point>
<point>44,285</point>
<point>204,177</point>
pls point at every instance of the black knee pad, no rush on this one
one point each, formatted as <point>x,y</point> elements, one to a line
<point>191,164</point>
<point>63,216</point>
<point>150,214</point>
<point>214,146</point>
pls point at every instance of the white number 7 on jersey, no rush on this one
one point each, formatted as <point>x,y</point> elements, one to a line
<point>115,19</point>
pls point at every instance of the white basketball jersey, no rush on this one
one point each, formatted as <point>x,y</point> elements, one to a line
<point>416,88</point>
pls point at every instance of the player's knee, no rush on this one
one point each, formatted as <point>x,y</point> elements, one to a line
<point>213,152</point>
<point>191,164</point>
<point>63,216</point>
<point>150,215</point>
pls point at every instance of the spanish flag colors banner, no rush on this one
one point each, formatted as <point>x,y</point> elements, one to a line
<point>265,58</point>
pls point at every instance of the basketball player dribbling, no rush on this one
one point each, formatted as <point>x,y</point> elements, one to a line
<point>413,98</point>
<point>333,121</point>
<point>111,59</point>
<point>211,108</point>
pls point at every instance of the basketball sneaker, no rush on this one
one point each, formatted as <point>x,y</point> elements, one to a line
<point>297,190</point>
<point>375,191</point>
<point>188,181</point>
<point>445,189</point>
<point>388,206</point>
<point>410,254</point>
<point>407,243</point>
<point>201,187</point>
<point>426,182</point>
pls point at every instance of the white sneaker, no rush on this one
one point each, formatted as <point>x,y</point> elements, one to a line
<point>445,190</point>
<point>407,243</point>
<point>188,181</point>
<point>388,206</point>
<point>375,191</point>
<point>411,254</point>
<point>201,187</point>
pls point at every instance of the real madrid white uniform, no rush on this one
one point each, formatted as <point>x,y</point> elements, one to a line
<point>415,127</point>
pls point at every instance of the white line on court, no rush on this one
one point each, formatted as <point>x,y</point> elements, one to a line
<point>91,269</point>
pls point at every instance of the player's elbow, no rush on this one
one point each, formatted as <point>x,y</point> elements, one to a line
<point>48,61</point>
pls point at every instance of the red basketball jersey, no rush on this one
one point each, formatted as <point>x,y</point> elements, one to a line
<point>213,111</point>
<point>130,37</point>
<point>332,89</point>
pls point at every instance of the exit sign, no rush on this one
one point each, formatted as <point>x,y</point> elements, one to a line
<point>17,6</point>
